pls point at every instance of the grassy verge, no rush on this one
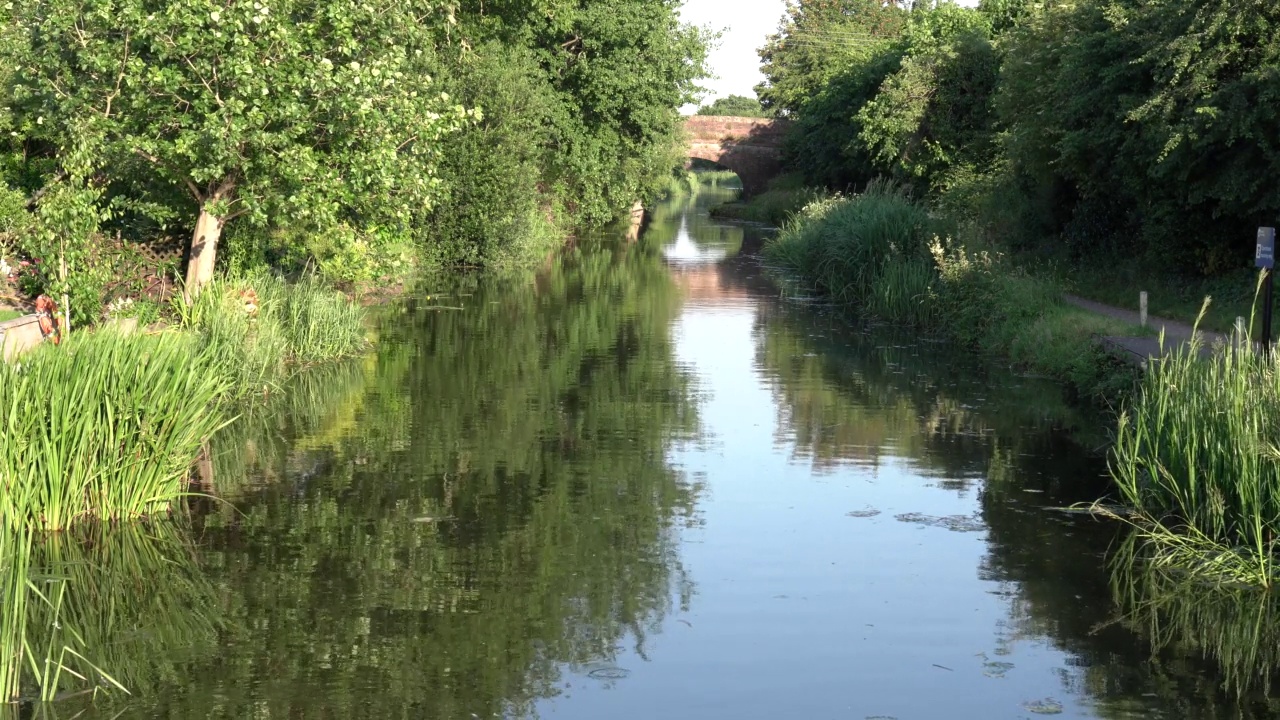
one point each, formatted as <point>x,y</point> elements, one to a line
<point>882,253</point>
<point>9,314</point>
<point>106,426</point>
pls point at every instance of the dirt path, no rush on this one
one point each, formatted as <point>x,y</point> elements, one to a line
<point>1176,334</point>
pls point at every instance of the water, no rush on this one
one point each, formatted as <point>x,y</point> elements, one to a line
<point>643,484</point>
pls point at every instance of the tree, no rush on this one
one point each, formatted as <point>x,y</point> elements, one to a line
<point>736,106</point>
<point>934,114</point>
<point>818,40</point>
<point>315,110</point>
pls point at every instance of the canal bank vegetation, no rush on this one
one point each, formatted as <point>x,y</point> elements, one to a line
<point>107,426</point>
<point>1195,458</point>
<point>477,136</point>
<point>883,252</point>
<point>977,163</point>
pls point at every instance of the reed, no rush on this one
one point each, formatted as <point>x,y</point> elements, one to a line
<point>871,250</point>
<point>259,328</point>
<point>104,427</point>
<point>1196,457</point>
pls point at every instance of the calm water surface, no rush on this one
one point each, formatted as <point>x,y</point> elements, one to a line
<point>642,484</point>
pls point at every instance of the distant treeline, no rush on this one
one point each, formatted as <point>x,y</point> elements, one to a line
<point>1114,126</point>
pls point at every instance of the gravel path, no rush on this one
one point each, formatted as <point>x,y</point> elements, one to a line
<point>1176,334</point>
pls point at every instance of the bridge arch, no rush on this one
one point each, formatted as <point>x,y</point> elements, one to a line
<point>751,147</point>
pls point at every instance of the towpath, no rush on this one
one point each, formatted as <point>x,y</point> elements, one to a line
<point>1176,334</point>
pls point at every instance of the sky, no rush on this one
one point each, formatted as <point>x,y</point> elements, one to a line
<point>744,25</point>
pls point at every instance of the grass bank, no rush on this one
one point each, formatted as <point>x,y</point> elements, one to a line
<point>886,255</point>
<point>106,426</point>
<point>1195,457</point>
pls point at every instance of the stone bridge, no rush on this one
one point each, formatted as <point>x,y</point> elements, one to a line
<point>751,147</point>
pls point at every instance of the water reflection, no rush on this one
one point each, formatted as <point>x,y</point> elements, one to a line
<point>637,483</point>
<point>100,610</point>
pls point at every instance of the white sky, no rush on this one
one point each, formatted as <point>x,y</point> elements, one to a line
<point>744,25</point>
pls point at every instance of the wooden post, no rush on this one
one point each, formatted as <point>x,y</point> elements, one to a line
<point>1142,308</point>
<point>1240,332</point>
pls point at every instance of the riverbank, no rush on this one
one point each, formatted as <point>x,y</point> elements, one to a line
<point>883,253</point>
<point>106,426</point>
<point>1184,458</point>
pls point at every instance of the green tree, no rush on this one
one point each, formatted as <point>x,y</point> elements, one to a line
<point>735,106</point>
<point>934,113</point>
<point>314,111</point>
<point>819,40</point>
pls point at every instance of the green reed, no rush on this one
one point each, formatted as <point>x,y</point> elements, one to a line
<point>104,427</point>
<point>1196,457</point>
<point>258,328</point>
<point>41,651</point>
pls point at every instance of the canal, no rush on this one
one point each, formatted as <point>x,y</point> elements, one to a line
<point>645,482</point>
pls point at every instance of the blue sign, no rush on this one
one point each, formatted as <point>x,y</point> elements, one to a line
<point>1265,257</point>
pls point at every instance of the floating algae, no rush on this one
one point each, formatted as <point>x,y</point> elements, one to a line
<point>954,523</point>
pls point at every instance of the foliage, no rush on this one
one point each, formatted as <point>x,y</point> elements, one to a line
<point>104,427</point>
<point>1195,458</point>
<point>258,328</point>
<point>735,106</point>
<point>1144,122</point>
<point>934,113</point>
<point>825,145</point>
<point>493,211</point>
<point>613,75</point>
<point>819,40</point>
<point>300,110</point>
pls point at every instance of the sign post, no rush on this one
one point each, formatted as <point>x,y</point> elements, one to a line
<point>1265,259</point>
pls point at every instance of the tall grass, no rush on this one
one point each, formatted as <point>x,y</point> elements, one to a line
<point>871,250</point>
<point>107,427</point>
<point>104,427</point>
<point>1196,456</point>
<point>258,328</point>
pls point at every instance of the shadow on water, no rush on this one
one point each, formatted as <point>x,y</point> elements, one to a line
<point>503,510</point>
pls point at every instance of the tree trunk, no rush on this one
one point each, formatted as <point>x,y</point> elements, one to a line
<point>204,245</point>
